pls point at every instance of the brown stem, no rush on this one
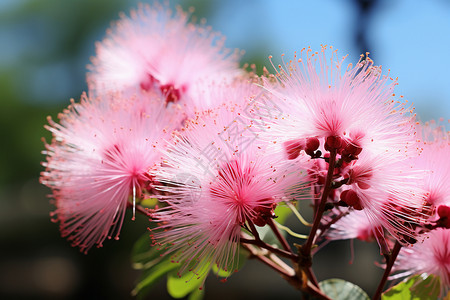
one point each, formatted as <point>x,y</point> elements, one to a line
<point>326,226</point>
<point>288,274</point>
<point>279,236</point>
<point>269,262</point>
<point>316,292</point>
<point>312,277</point>
<point>389,264</point>
<point>305,261</point>
<point>306,248</point>
<point>272,249</point>
<point>253,230</point>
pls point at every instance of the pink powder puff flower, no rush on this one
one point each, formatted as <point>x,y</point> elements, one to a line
<point>431,257</point>
<point>245,91</point>
<point>356,109</point>
<point>434,157</point>
<point>355,113</point>
<point>99,157</point>
<point>219,178</point>
<point>390,194</point>
<point>353,224</point>
<point>155,48</point>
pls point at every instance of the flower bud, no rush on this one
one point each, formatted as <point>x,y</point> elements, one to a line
<point>312,144</point>
<point>333,142</point>
<point>351,198</point>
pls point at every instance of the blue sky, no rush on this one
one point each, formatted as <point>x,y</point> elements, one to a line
<point>411,38</point>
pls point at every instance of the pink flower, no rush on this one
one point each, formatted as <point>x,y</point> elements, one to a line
<point>389,192</point>
<point>354,113</point>
<point>353,225</point>
<point>432,257</point>
<point>244,91</point>
<point>355,109</point>
<point>219,178</point>
<point>98,158</point>
<point>434,157</point>
<point>434,162</point>
<point>155,48</point>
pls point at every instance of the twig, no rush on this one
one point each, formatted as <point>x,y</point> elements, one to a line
<point>279,236</point>
<point>292,233</point>
<point>284,272</point>
<point>253,230</point>
<point>305,261</point>
<point>389,264</point>
<point>306,248</point>
<point>272,249</point>
<point>326,226</point>
<point>297,214</point>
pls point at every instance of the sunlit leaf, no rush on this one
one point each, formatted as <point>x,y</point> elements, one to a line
<point>339,289</point>
<point>154,274</point>
<point>181,286</point>
<point>414,288</point>
<point>151,260</point>
<point>196,295</point>
<point>282,212</point>
<point>149,202</point>
<point>241,256</point>
<point>143,255</point>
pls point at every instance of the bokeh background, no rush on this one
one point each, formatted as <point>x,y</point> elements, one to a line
<point>44,48</point>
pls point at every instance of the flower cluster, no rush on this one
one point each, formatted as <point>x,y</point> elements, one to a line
<point>234,182</point>
<point>157,49</point>
<point>99,157</point>
<point>104,145</point>
<point>170,116</point>
<point>355,116</point>
<point>432,257</point>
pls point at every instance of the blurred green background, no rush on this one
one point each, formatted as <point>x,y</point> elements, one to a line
<point>44,48</point>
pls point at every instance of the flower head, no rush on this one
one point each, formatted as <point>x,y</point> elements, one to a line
<point>156,49</point>
<point>219,178</point>
<point>353,225</point>
<point>433,160</point>
<point>432,257</point>
<point>434,157</point>
<point>389,193</point>
<point>355,110</point>
<point>352,112</point>
<point>99,157</point>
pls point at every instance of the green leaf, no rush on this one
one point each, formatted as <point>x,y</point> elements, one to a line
<point>149,202</point>
<point>140,248</point>
<point>144,255</point>
<point>152,261</point>
<point>152,275</point>
<point>241,257</point>
<point>282,212</point>
<point>339,289</point>
<point>196,295</point>
<point>266,234</point>
<point>189,283</point>
<point>415,288</point>
<point>181,286</point>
